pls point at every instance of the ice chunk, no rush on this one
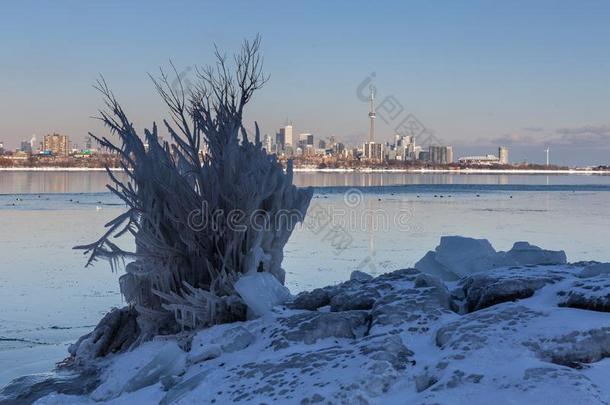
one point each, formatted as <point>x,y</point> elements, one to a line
<point>208,353</point>
<point>457,256</point>
<point>261,292</point>
<point>183,388</point>
<point>595,270</point>
<point>523,254</point>
<point>235,339</point>
<point>169,361</point>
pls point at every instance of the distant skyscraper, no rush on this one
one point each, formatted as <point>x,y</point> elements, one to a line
<point>441,154</point>
<point>503,154</point>
<point>373,151</point>
<point>1,147</point>
<point>88,143</point>
<point>305,139</point>
<point>26,147</point>
<point>280,141</point>
<point>287,134</point>
<point>267,143</point>
<point>57,144</point>
<point>372,116</point>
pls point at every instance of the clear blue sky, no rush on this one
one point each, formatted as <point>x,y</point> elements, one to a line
<point>521,73</point>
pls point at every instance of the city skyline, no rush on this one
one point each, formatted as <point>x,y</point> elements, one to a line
<point>476,75</point>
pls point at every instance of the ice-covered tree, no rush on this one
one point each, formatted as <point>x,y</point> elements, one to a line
<point>203,209</point>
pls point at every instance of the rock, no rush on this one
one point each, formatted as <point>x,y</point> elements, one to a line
<point>170,360</point>
<point>116,332</point>
<point>312,300</point>
<point>592,293</point>
<point>505,284</point>
<point>208,353</point>
<point>438,289</point>
<point>595,270</point>
<point>312,326</point>
<point>359,300</point>
<point>235,339</point>
<point>574,348</point>
<point>261,292</point>
<point>360,276</point>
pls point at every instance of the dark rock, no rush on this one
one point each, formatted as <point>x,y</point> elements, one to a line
<point>311,300</point>
<point>490,288</point>
<point>592,294</point>
<point>312,326</point>
<point>357,300</point>
<point>116,332</point>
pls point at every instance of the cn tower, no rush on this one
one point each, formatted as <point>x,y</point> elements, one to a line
<point>372,115</point>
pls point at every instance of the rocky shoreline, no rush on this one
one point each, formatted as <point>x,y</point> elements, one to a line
<point>518,334</point>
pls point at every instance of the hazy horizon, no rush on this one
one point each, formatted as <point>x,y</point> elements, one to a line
<point>477,75</point>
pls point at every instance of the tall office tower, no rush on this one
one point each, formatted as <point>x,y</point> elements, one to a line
<point>1,147</point>
<point>33,143</point>
<point>280,141</point>
<point>57,144</point>
<point>305,139</point>
<point>373,151</point>
<point>441,154</point>
<point>267,143</point>
<point>372,116</point>
<point>503,155</point>
<point>331,141</point>
<point>286,132</point>
<point>88,143</point>
<point>25,147</point>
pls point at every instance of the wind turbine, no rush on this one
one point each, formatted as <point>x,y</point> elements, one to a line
<point>547,155</point>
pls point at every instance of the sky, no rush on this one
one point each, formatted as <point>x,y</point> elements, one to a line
<point>475,74</point>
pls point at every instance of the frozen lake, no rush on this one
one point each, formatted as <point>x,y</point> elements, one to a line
<point>380,222</point>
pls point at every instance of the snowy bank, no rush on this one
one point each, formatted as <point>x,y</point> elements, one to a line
<point>520,333</point>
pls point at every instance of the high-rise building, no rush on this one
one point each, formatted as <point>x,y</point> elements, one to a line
<point>306,139</point>
<point>1,147</point>
<point>280,141</point>
<point>441,154</point>
<point>57,144</point>
<point>25,147</point>
<point>373,151</point>
<point>267,143</point>
<point>503,155</point>
<point>286,132</point>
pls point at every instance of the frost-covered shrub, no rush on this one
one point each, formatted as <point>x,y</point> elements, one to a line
<point>203,209</point>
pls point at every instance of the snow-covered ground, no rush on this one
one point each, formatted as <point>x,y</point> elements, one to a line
<point>509,335</point>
